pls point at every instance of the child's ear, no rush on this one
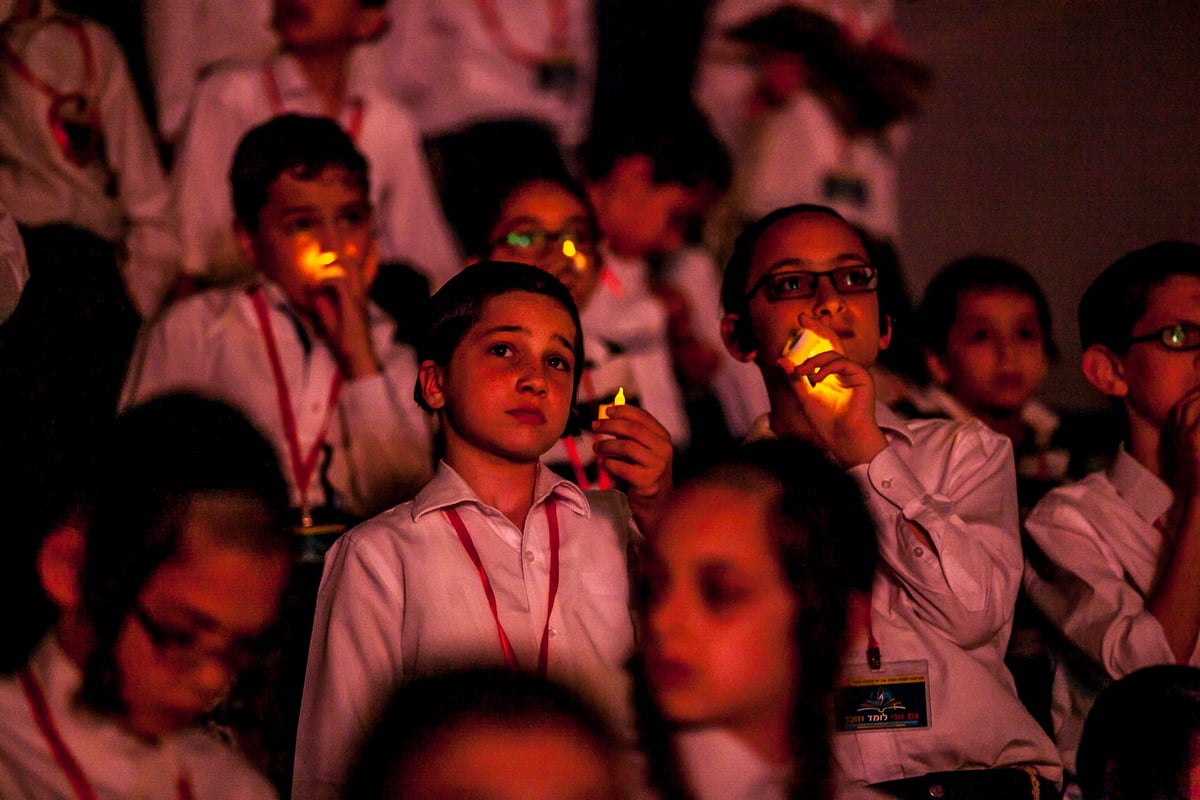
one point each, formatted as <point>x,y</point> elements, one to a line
<point>737,339</point>
<point>245,242</point>
<point>60,566</point>
<point>371,23</point>
<point>430,376</point>
<point>937,368</point>
<point>1105,370</point>
<point>885,332</point>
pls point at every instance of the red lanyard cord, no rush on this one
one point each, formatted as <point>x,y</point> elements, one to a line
<point>352,127</point>
<point>464,536</point>
<point>303,465</point>
<point>62,754</point>
<point>89,60</point>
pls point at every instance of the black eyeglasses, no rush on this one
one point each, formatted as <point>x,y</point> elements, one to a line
<point>569,242</point>
<point>181,649</point>
<point>1180,336</point>
<point>798,284</point>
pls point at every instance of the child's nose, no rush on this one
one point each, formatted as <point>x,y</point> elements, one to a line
<point>826,298</point>
<point>533,378</point>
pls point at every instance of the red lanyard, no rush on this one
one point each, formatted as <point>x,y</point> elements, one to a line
<point>303,465</point>
<point>603,481</point>
<point>62,754</point>
<point>557,39</point>
<point>60,100</point>
<point>464,536</point>
<point>353,125</point>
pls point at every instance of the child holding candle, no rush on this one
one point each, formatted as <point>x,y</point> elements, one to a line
<point>498,560</point>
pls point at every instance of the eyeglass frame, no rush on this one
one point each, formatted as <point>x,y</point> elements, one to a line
<point>181,648</point>
<point>832,274</point>
<point>583,240</point>
<point>1160,337</point>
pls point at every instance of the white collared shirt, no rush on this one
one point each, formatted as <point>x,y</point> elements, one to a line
<point>408,216</point>
<point>1095,565</point>
<point>117,764</point>
<point>378,441</point>
<point>719,766</point>
<point>401,598</point>
<point>950,606</point>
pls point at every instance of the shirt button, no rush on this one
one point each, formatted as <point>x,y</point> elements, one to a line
<point>918,551</point>
<point>529,556</point>
<point>552,632</point>
<point>887,484</point>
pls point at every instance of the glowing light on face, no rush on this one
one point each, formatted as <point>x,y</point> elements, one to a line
<point>318,264</point>
<point>802,345</point>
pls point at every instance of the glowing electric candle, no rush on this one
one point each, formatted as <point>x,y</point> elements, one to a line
<point>802,345</point>
<point>619,400</point>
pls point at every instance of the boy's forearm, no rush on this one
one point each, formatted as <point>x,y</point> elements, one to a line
<point>1175,601</point>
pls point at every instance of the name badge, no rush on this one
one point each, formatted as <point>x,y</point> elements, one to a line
<point>894,696</point>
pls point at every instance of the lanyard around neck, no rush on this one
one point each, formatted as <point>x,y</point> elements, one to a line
<point>464,536</point>
<point>353,125</point>
<point>62,754</point>
<point>303,464</point>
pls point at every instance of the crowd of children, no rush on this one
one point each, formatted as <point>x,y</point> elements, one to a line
<point>505,539</point>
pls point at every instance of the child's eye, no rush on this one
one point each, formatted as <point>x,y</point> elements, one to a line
<point>502,350</point>
<point>719,593</point>
<point>559,363</point>
<point>300,224</point>
<point>978,336</point>
<point>1029,334</point>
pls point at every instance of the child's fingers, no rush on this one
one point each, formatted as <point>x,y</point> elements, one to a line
<point>631,422</point>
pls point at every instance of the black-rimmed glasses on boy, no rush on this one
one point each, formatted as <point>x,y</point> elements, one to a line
<point>798,284</point>
<point>181,649</point>
<point>1180,336</point>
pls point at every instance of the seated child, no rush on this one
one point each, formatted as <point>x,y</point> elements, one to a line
<point>497,561</point>
<point>751,579</point>
<point>547,222</point>
<point>1115,555</point>
<point>300,350</point>
<point>320,71</point>
<point>165,572</point>
<point>985,328</point>
<point>488,734</point>
<point>1142,737</point>
<point>944,499</point>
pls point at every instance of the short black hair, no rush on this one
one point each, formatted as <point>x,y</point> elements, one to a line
<point>1140,735</point>
<point>677,139</point>
<point>826,542</point>
<point>303,146</point>
<point>425,712</point>
<point>456,308</point>
<point>737,270</point>
<point>939,306</point>
<point>133,504</point>
<point>1117,298</point>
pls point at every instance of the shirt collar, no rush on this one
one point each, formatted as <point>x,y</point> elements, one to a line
<point>449,489</point>
<point>293,83</point>
<point>720,765</point>
<point>887,420</point>
<point>1144,491</point>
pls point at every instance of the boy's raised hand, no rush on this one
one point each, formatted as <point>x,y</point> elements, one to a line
<point>636,448</point>
<point>340,306</point>
<point>841,418</point>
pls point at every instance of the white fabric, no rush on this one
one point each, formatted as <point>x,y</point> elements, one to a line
<point>14,270</point>
<point>719,766</point>
<point>187,39</point>
<point>117,764</point>
<point>737,385</point>
<point>122,197</point>
<point>951,606</point>
<point>409,222</point>
<point>401,598</point>
<point>378,439</point>
<point>441,61</point>
<point>1101,553</point>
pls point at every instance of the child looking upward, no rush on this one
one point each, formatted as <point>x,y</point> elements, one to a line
<point>165,572</point>
<point>497,561</point>
<point>1117,554</point>
<point>943,498</point>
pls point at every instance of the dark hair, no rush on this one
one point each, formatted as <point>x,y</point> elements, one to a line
<point>825,540</point>
<point>1117,298</point>
<point>737,271</point>
<point>457,306</point>
<point>939,306</point>
<point>157,458</point>
<point>677,139</point>
<point>303,146</point>
<point>426,712</point>
<point>478,242</point>
<point>1139,738</point>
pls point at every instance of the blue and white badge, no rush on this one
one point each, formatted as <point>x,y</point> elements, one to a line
<point>892,697</point>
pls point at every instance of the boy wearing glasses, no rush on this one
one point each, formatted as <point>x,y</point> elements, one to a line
<point>1117,554</point>
<point>943,495</point>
